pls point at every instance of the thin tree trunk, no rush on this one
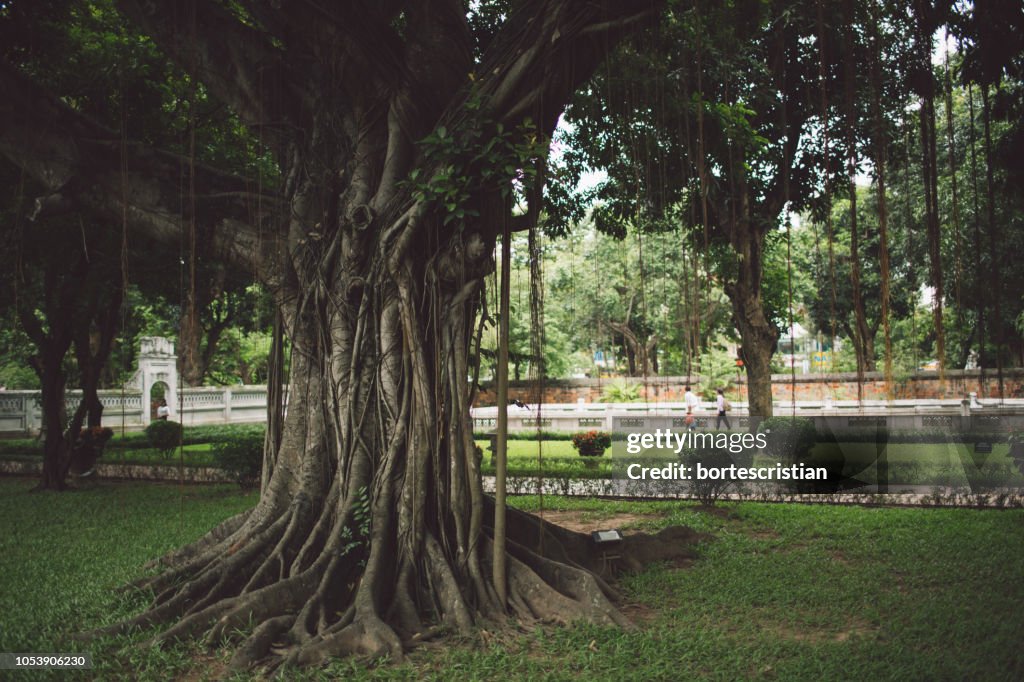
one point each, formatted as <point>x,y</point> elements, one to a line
<point>930,173</point>
<point>979,295</point>
<point>823,91</point>
<point>501,443</point>
<point>861,328</point>
<point>56,450</point>
<point>953,185</point>
<point>881,154</point>
<point>995,265</point>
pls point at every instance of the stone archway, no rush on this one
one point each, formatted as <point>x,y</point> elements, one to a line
<point>157,365</point>
<point>160,390</point>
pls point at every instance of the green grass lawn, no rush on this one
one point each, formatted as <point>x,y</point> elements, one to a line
<point>527,449</point>
<point>62,556</point>
<point>782,592</point>
<point>196,454</point>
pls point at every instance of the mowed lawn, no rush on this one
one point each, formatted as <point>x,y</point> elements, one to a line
<point>781,592</point>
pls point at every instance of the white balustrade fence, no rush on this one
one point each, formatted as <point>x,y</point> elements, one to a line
<point>908,415</point>
<point>21,411</point>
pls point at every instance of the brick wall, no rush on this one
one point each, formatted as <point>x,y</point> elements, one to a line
<point>842,386</point>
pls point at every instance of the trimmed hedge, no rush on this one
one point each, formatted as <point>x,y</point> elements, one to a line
<point>241,457</point>
<point>164,436</point>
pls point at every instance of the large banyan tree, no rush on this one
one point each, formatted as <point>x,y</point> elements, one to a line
<point>404,132</point>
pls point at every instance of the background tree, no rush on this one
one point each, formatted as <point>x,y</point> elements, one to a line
<point>709,116</point>
<point>398,130</point>
<point>810,256</point>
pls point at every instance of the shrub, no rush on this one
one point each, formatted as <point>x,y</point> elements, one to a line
<point>621,392</point>
<point>708,490</point>
<point>164,436</point>
<point>788,439</point>
<point>591,443</point>
<point>241,457</point>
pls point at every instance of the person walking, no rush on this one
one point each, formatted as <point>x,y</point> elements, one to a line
<point>723,406</point>
<point>691,404</point>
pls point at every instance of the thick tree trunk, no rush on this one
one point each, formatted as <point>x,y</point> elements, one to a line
<point>56,450</point>
<point>640,353</point>
<point>62,284</point>
<point>372,532</point>
<point>759,337</point>
<point>373,529</point>
<point>93,350</point>
<point>191,359</point>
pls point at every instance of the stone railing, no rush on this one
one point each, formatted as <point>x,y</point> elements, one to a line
<point>21,411</point>
<point>908,415</point>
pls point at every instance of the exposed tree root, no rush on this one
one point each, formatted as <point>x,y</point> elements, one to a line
<point>296,621</point>
<point>367,637</point>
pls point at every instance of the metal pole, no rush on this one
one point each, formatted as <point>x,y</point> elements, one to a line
<point>501,444</point>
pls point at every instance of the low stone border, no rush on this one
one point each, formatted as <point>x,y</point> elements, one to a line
<point>599,487</point>
<point>665,490</point>
<point>131,472</point>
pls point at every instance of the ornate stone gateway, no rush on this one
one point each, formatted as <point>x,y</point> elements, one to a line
<point>157,364</point>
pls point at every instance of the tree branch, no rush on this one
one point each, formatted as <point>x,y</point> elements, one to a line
<point>80,160</point>
<point>239,64</point>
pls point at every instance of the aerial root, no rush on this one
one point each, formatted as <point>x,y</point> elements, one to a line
<point>276,561</point>
<point>454,611</point>
<point>258,645</point>
<point>403,606</point>
<point>577,583</point>
<point>278,599</point>
<point>194,624</point>
<point>317,538</point>
<point>367,636</point>
<point>549,591</point>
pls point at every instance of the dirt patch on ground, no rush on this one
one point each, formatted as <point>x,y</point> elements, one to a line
<point>795,633</point>
<point>588,522</point>
<point>720,512</point>
<point>763,534</point>
<point>673,545</point>
<point>639,614</point>
<point>207,667</point>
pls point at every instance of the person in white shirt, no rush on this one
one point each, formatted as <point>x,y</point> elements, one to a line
<point>691,404</point>
<point>720,404</point>
<point>163,411</point>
